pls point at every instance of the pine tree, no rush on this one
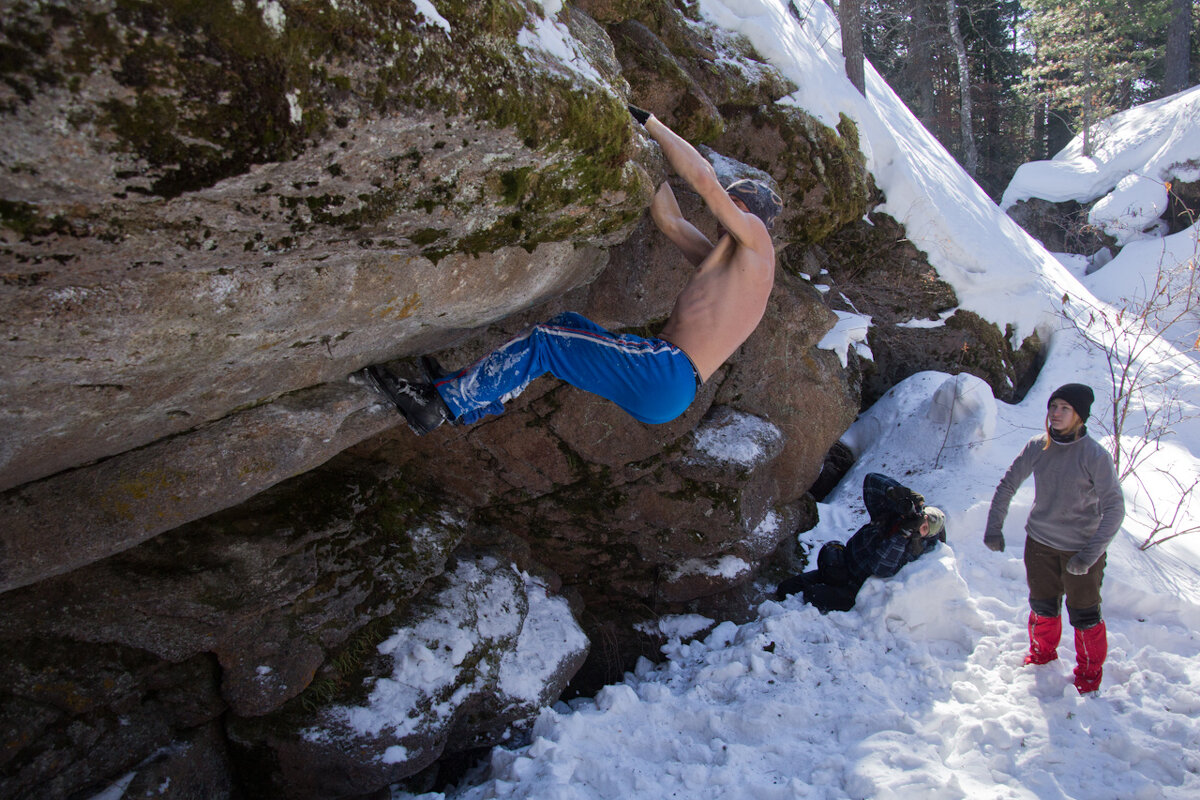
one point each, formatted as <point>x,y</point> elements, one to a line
<point>1002,113</point>
<point>913,46</point>
<point>1091,56</point>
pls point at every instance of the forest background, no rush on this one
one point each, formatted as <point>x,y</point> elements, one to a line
<point>1003,82</point>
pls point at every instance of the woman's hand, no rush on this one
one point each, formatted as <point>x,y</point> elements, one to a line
<point>1077,566</point>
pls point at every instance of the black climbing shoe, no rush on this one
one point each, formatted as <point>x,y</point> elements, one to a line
<point>431,370</point>
<point>420,404</point>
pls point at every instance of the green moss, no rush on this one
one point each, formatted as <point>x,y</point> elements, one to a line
<point>340,676</point>
<point>209,90</point>
<point>425,236</point>
<point>21,218</point>
<point>25,41</point>
<point>514,184</point>
<point>849,132</point>
<point>209,87</point>
<point>693,491</point>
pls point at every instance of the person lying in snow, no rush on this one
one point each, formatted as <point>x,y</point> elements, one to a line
<point>653,380</point>
<point>902,529</point>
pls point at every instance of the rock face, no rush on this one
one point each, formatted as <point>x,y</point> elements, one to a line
<point>1100,228</point>
<point>485,650</point>
<point>1060,227</point>
<point>880,274</point>
<point>221,562</point>
<point>208,208</point>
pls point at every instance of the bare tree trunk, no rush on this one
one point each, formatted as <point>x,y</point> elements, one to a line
<point>1040,148</point>
<point>970,152</point>
<point>850,15</point>
<point>1179,45</point>
<point>1088,103</point>
<point>920,67</point>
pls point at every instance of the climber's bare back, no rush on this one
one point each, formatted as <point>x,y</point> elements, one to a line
<point>724,301</point>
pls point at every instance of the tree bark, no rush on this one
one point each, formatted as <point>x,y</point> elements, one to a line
<point>850,16</point>
<point>970,152</point>
<point>1179,45</point>
<point>921,59</point>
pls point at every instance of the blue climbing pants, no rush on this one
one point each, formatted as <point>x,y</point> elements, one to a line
<point>651,379</point>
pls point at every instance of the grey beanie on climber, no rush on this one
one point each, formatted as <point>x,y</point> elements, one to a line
<point>762,201</point>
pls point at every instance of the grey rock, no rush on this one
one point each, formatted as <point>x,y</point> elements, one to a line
<point>485,648</point>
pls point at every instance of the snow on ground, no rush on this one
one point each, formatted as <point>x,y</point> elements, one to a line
<point>917,692</point>
<point>920,690</point>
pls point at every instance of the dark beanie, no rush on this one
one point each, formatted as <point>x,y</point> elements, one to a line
<point>1080,398</point>
<point>761,199</point>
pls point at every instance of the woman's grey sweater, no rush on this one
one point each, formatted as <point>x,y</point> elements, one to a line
<point>1078,505</point>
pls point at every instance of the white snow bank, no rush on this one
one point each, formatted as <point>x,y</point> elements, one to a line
<point>1132,210</point>
<point>549,637</point>
<point>930,417</point>
<point>1141,267</point>
<point>1157,141</point>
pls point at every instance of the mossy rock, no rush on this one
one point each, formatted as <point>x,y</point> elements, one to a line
<point>663,86</point>
<point>821,172</point>
<point>207,90</point>
<point>445,686</point>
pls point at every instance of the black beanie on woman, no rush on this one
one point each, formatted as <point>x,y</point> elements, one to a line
<point>1079,397</point>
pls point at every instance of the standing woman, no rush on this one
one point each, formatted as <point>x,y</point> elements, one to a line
<point>1077,509</point>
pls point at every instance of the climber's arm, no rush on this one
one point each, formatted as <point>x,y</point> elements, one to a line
<point>700,175</point>
<point>664,210</point>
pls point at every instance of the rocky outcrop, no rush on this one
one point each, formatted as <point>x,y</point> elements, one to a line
<point>1073,227</point>
<point>207,210</point>
<point>220,560</point>
<point>1060,227</point>
<point>247,608</point>
<point>873,270</point>
<point>487,649</point>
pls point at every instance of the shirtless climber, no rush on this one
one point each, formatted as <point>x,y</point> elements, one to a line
<point>654,380</point>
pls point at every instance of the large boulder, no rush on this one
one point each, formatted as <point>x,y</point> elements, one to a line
<point>873,270</point>
<point>75,716</point>
<point>486,648</point>
<point>258,617</point>
<point>222,562</point>
<point>269,589</point>
<point>207,208</point>
<point>642,517</point>
<point>1060,227</point>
